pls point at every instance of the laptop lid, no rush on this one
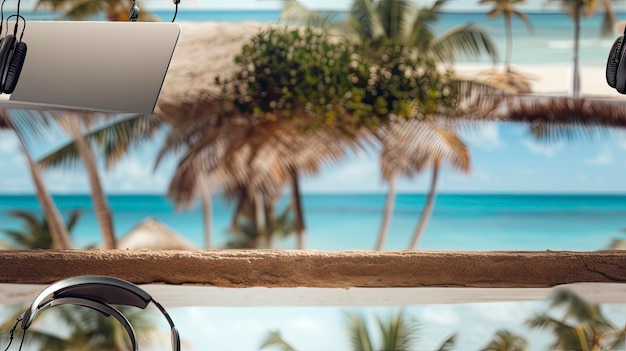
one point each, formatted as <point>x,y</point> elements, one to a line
<point>116,67</point>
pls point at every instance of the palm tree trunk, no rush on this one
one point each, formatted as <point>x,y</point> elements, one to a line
<point>428,208</point>
<point>58,231</point>
<point>297,206</point>
<point>576,83</point>
<point>241,203</point>
<point>259,220</point>
<point>387,212</point>
<point>98,198</point>
<point>207,213</point>
<point>509,40</point>
<point>269,222</point>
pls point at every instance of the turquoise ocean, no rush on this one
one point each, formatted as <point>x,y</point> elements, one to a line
<point>350,221</point>
<point>472,222</point>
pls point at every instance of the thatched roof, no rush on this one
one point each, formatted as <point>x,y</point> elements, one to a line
<point>204,51</point>
<point>152,234</point>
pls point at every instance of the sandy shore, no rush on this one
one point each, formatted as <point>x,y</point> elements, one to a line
<point>553,78</point>
<point>207,49</point>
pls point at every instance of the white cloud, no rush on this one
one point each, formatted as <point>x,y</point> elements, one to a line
<point>476,174</point>
<point>620,139</point>
<point>135,175</point>
<point>548,150</point>
<point>8,142</point>
<point>605,157</point>
<point>487,136</point>
<point>352,175</point>
<point>305,323</point>
<point>500,312</point>
<point>441,315</point>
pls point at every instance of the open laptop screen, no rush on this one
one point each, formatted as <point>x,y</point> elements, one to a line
<point>114,67</point>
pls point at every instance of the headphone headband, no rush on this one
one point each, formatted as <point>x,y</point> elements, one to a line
<point>97,292</point>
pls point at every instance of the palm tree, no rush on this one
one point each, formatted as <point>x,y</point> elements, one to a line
<point>115,10</point>
<point>36,233</point>
<point>87,330</point>
<point>582,326</point>
<point>249,236</point>
<point>505,340</point>
<point>379,23</point>
<point>114,138</point>
<point>408,147</point>
<point>397,333</point>
<point>72,124</point>
<point>23,123</point>
<point>508,10</point>
<point>248,160</point>
<point>577,9</point>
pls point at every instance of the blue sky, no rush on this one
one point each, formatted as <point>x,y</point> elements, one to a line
<point>505,159</point>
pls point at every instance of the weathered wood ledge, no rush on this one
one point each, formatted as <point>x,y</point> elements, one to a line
<point>319,269</point>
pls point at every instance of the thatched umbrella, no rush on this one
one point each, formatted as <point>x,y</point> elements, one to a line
<point>204,51</point>
<point>152,234</point>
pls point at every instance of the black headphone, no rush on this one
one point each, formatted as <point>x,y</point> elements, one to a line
<point>97,293</point>
<point>616,65</point>
<point>12,57</point>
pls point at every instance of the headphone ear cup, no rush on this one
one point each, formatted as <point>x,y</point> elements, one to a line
<point>612,63</point>
<point>5,56</point>
<point>620,83</point>
<point>15,68</point>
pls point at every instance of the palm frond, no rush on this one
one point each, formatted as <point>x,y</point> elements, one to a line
<point>535,109</point>
<point>295,13</point>
<point>524,18</point>
<point>115,139</point>
<point>449,344</point>
<point>577,308</point>
<point>567,338</point>
<point>30,124</point>
<point>366,21</point>
<point>394,18</point>
<point>553,132</point>
<point>506,340</point>
<point>465,41</point>
<point>275,340</point>
<point>407,331</point>
<point>408,146</point>
<point>358,333</point>
<point>73,218</point>
<point>422,33</point>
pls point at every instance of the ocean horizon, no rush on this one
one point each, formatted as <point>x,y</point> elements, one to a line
<point>549,41</point>
<point>461,221</point>
<point>336,222</point>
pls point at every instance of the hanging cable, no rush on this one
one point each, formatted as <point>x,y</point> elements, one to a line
<point>134,12</point>
<point>13,331</point>
<point>176,2</point>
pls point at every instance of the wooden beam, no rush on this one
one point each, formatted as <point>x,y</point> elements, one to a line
<point>318,269</point>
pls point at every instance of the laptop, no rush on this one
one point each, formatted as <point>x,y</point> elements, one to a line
<point>114,67</point>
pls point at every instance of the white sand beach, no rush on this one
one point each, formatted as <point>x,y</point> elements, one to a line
<point>553,79</point>
<point>207,49</point>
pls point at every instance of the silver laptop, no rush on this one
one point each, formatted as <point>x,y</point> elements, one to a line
<point>116,67</point>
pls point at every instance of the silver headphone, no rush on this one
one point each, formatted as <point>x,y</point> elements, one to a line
<point>97,293</point>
